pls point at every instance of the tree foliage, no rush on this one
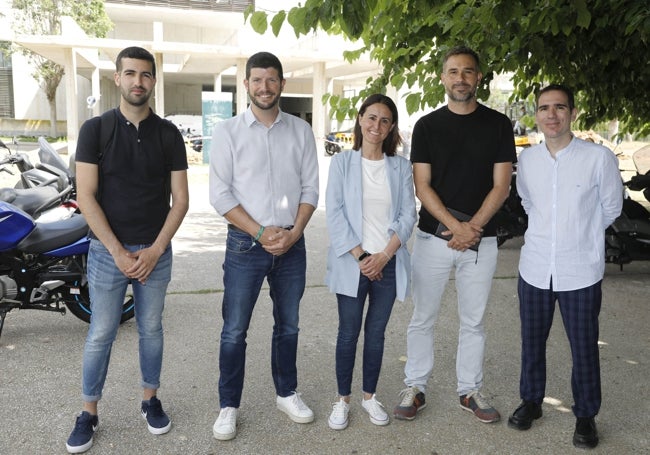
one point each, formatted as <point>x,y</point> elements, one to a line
<point>43,17</point>
<point>597,47</point>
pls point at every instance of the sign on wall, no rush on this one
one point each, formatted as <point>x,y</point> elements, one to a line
<point>216,106</point>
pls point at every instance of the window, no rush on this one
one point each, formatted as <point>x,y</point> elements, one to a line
<point>6,82</point>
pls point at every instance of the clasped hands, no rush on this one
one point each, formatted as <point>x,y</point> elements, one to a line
<point>373,265</point>
<point>465,236</point>
<point>277,240</point>
<point>138,265</point>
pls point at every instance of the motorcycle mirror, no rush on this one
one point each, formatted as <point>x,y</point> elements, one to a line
<point>91,101</point>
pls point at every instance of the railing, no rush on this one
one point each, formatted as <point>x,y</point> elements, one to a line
<point>236,6</point>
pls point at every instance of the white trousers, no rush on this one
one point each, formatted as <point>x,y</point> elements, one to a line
<point>432,262</point>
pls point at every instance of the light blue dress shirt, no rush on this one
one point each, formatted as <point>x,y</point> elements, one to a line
<point>344,209</point>
<point>570,201</point>
<point>268,171</point>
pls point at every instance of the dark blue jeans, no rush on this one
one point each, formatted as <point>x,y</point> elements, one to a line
<point>245,267</point>
<point>381,296</point>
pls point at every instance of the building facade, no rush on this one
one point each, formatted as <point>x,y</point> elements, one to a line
<point>199,46</point>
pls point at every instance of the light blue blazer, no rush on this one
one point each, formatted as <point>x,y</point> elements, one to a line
<point>344,205</point>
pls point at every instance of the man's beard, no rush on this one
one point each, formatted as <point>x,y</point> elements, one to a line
<point>265,106</point>
<point>136,100</point>
<point>463,98</point>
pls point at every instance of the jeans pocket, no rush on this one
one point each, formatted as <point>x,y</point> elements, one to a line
<point>239,242</point>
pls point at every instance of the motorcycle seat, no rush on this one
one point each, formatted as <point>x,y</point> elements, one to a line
<point>55,234</point>
<point>30,200</point>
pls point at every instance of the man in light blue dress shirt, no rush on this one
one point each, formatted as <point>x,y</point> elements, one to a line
<point>264,182</point>
<point>571,190</point>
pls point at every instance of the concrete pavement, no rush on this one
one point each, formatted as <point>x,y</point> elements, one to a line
<point>40,362</point>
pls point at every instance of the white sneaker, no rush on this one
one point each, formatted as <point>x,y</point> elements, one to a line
<point>339,417</point>
<point>376,411</point>
<point>295,408</point>
<point>225,428</point>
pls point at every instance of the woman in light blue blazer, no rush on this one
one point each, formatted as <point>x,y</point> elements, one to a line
<point>370,208</point>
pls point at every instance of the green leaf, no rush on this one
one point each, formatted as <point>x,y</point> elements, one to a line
<point>258,22</point>
<point>584,16</point>
<point>412,103</point>
<point>277,21</point>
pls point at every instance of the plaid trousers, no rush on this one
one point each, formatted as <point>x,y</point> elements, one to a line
<point>579,309</point>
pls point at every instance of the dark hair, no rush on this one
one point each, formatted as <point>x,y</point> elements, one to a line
<point>389,146</point>
<point>263,60</point>
<point>560,88</point>
<point>461,50</point>
<point>138,53</point>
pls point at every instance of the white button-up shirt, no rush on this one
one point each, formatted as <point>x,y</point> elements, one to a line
<point>570,200</point>
<point>268,171</point>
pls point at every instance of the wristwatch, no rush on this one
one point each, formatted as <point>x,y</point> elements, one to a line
<point>362,256</point>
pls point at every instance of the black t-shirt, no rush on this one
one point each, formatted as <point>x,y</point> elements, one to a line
<point>134,173</point>
<point>462,151</point>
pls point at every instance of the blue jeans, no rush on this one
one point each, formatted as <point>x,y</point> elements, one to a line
<point>245,266</point>
<point>107,285</point>
<point>381,295</point>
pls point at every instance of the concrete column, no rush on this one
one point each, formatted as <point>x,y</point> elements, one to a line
<point>242,96</point>
<point>159,91</point>
<point>217,83</point>
<point>319,111</point>
<point>95,91</point>
<point>71,99</point>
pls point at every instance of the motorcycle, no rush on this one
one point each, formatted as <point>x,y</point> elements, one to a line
<point>511,219</point>
<point>43,265</point>
<point>628,237</point>
<point>45,191</point>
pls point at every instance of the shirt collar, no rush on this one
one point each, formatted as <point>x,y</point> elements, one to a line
<point>250,119</point>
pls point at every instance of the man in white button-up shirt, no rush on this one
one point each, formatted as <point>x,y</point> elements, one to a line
<point>264,182</point>
<point>571,190</point>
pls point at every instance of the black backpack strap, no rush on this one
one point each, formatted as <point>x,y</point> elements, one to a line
<point>108,130</point>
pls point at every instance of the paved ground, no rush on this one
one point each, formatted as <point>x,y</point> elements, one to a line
<point>40,357</point>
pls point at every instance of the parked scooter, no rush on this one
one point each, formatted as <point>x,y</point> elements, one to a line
<point>43,265</point>
<point>628,237</point>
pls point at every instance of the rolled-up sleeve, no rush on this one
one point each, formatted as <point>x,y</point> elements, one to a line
<point>309,171</point>
<point>221,170</point>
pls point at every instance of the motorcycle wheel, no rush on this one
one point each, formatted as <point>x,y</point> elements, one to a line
<point>82,308</point>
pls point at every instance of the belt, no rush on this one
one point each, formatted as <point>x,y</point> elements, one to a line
<point>232,227</point>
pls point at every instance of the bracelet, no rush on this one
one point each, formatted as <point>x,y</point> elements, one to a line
<point>363,255</point>
<point>259,234</point>
<point>387,255</point>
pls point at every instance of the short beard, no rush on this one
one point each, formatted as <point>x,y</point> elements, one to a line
<point>464,99</point>
<point>264,107</point>
<point>135,101</point>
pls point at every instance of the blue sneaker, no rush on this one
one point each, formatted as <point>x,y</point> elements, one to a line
<point>153,413</point>
<point>81,438</point>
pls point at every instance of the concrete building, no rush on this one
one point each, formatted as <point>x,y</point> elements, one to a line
<point>199,45</point>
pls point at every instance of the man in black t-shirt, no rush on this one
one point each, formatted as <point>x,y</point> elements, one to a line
<point>462,157</point>
<point>123,189</point>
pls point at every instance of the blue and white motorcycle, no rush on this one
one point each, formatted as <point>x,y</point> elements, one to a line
<point>43,265</point>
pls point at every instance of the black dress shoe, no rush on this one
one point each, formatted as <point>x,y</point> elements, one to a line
<point>586,435</point>
<point>523,417</point>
